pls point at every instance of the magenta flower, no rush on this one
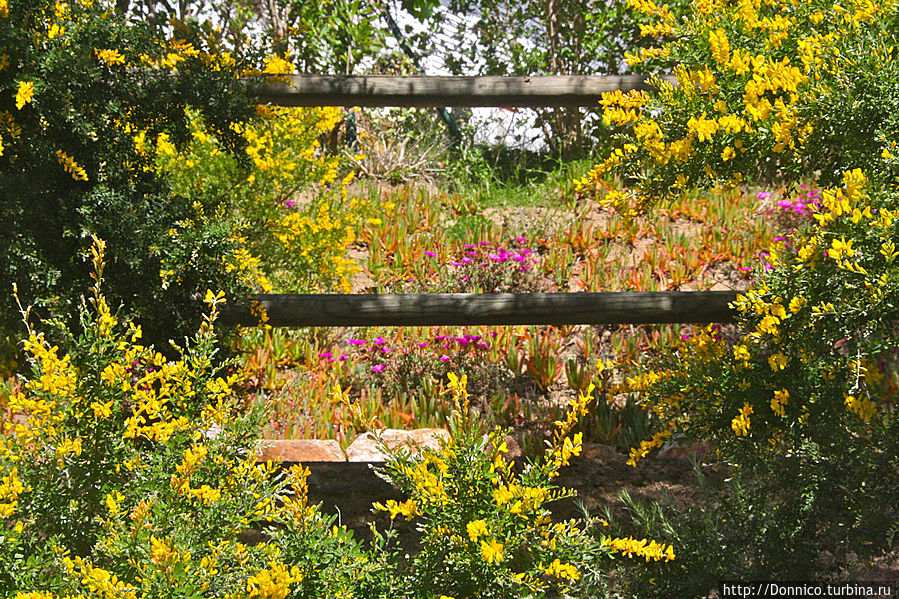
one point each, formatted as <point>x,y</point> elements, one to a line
<point>378,368</point>
<point>379,341</point>
<point>430,254</point>
<point>444,358</point>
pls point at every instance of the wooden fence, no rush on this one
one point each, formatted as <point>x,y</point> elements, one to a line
<point>525,92</point>
<point>468,308</point>
<point>433,309</point>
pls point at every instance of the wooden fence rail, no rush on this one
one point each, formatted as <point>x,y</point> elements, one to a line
<point>529,92</point>
<point>434,309</point>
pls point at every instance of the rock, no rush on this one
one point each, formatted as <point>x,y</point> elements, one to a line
<point>300,450</point>
<point>514,449</point>
<point>365,447</point>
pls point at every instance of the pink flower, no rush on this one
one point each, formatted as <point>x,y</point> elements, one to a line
<point>444,358</point>
<point>379,341</point>
<point>378,368</point>
<point>357,342</point>
<point>430,254</point>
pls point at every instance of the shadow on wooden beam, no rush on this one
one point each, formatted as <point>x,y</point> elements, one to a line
<point>434,309</point>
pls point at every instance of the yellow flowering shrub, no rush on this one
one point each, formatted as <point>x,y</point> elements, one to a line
<point>127,474</point>
<point>295,216</point>
<point>485,527</point>
<point>797,400</point>
<point>760,88</point>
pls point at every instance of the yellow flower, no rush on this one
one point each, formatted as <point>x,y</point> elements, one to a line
<point>407,508</point>
<point>777,361</point>
<point>476,529</point>
<point>110,57</point>
<point>839,248</point>
<point>70,166</point>
<point>25,93</point>
<point>719,45</point>
<point>274,582</point>
<point>102,410</point>
<point>740,423</point>
<point>779,401</point>
<point>492,551</point>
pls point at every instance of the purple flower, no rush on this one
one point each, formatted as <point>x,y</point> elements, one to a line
<point>343,357</point>
<point>444,358</point>
<point>425,344</point>
<point>470,246</point>
<point>357,342</point>
<point>379,341</point>
<point>378,368</point>
<point>290,203</point>
<point>430,254</point>
<point>764,195</point>
<point>326,354</point>
<point>521,239</point>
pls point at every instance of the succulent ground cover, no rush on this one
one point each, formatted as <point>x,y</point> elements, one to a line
<point>422,239</point>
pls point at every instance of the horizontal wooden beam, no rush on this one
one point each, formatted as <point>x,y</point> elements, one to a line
<point>434,309</point>
<point>556,90</point>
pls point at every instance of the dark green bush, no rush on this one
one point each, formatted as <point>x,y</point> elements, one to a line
<point>80,84</point>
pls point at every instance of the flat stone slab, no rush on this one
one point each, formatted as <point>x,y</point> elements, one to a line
<point>300,450</point>
<point>365,447</point>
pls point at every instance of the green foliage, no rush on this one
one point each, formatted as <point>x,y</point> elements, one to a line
<point>291,221</point>
<point>486,530</point>
<point>80,84</point>
<point>763,93</point>
<point>797,401</point>
<point>130,474</point>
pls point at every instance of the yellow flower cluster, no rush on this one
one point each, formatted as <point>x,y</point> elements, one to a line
<point>24,94</point>
<point>407,508</point>
<point>10,489</point>
<point>862,406</point>
<point>562,570</point>
<point>70,166</point>
<point>741,423</point>
<point>779,401</point>
<point>650,550</point>
<point>646,446</point>
<point>111,57</point>
<point>273,582</point>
